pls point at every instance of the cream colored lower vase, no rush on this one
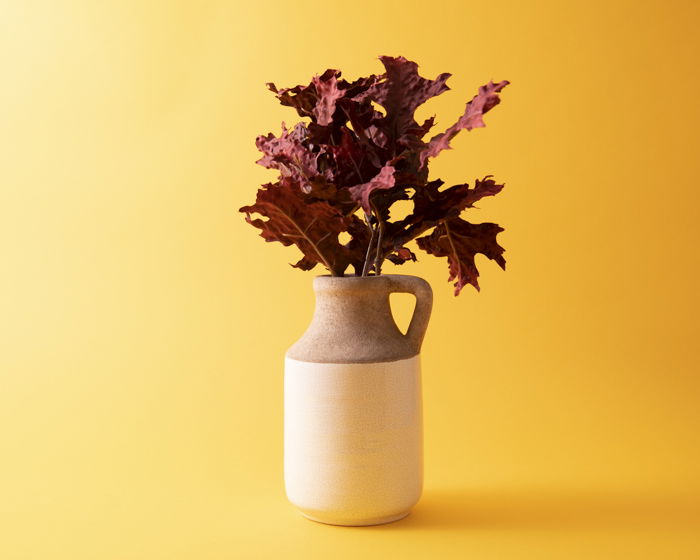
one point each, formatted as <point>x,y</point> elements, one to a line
<point>353,441</point>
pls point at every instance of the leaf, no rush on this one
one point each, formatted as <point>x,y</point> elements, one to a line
<point>481,103</point>
<point>430,205</point>
<point>360,85</point>
<point>401,92</point>
<point>291,155</point>
<point>304,263</point>
<point>460,241</point>
<point>349,159</point>
<point>382,180</point>
<point>328,93</point>
<point>357,246</point>
<point>382,200</point>
<point>423,129</point>
<point>311,226</point>
<point>302,98</point>
<point>401,255</point>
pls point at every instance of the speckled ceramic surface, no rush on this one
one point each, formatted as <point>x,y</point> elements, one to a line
<point>353,415</point>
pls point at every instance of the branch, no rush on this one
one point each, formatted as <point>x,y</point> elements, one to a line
<point>365,268</point>
<point>379,257</point>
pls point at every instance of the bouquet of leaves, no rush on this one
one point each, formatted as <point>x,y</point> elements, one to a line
<point>343,168</point>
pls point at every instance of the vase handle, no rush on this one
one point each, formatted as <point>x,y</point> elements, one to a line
<point>424,304</point>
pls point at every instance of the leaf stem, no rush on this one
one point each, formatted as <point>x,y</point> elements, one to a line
<point>378,258</point>
<point>365,268</point>
<point>454,249</point>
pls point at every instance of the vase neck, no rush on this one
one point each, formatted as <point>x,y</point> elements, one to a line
<point>353,306</point>
<point>353,323</point>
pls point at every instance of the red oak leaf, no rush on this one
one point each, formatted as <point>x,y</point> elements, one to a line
<point>311,226</point>
<point>401,92</point>
<point>401,255</point>
<point>349,159</point>
<point>382,180</point>
<point>430,204</point>
<point>481,103</point>
<point>291,155</point>
<point>460,241</point>
<point>302,98</point>
<point>357,246</point>
<point>328,93</point>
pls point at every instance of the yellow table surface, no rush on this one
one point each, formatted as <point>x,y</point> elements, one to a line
<point>143,323</point>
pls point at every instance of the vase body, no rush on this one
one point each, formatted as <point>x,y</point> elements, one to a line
<point>353,442</point>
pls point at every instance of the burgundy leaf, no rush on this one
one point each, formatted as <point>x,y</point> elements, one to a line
<point>365,119</point>
<point>359,86</point>
<point>328,93</point>
<point>431,205</point>
<point>382,180</point>
<point>484,101</point>
<point>291,155</point>
<point>349,159</point>
<point>302,98</point>
<point>460,241</point>
<point>401,255</point>
<point>357,246</point>
<point>383,199</point>
<point>304,263</point>
<point>423,129</point>
<point>401,92</point>
<point>311,226</point>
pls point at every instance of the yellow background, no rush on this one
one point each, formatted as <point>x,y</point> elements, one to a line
<point>143,323</point>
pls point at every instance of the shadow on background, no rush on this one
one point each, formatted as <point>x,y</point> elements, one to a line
<point>573,510</point>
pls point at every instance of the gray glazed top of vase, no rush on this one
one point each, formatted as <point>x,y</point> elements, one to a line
<point>353,323</point>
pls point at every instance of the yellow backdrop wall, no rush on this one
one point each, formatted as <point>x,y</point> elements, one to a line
<point>143,323</point>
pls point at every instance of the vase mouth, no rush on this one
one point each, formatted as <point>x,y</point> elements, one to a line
<point>328,283</point>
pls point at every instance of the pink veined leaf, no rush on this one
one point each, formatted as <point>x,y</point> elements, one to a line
<point>382,180</point>
<point>482,102</point>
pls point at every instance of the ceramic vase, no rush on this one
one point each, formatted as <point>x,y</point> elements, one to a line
<point>353,441</point>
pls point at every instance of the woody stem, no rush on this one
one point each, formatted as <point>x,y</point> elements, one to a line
<point>365,268</point>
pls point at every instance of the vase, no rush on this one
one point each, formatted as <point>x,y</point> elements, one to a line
<point>353,435</point>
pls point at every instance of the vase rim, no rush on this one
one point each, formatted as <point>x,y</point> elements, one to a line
<point>324,277</point>
<point>326,281</point>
